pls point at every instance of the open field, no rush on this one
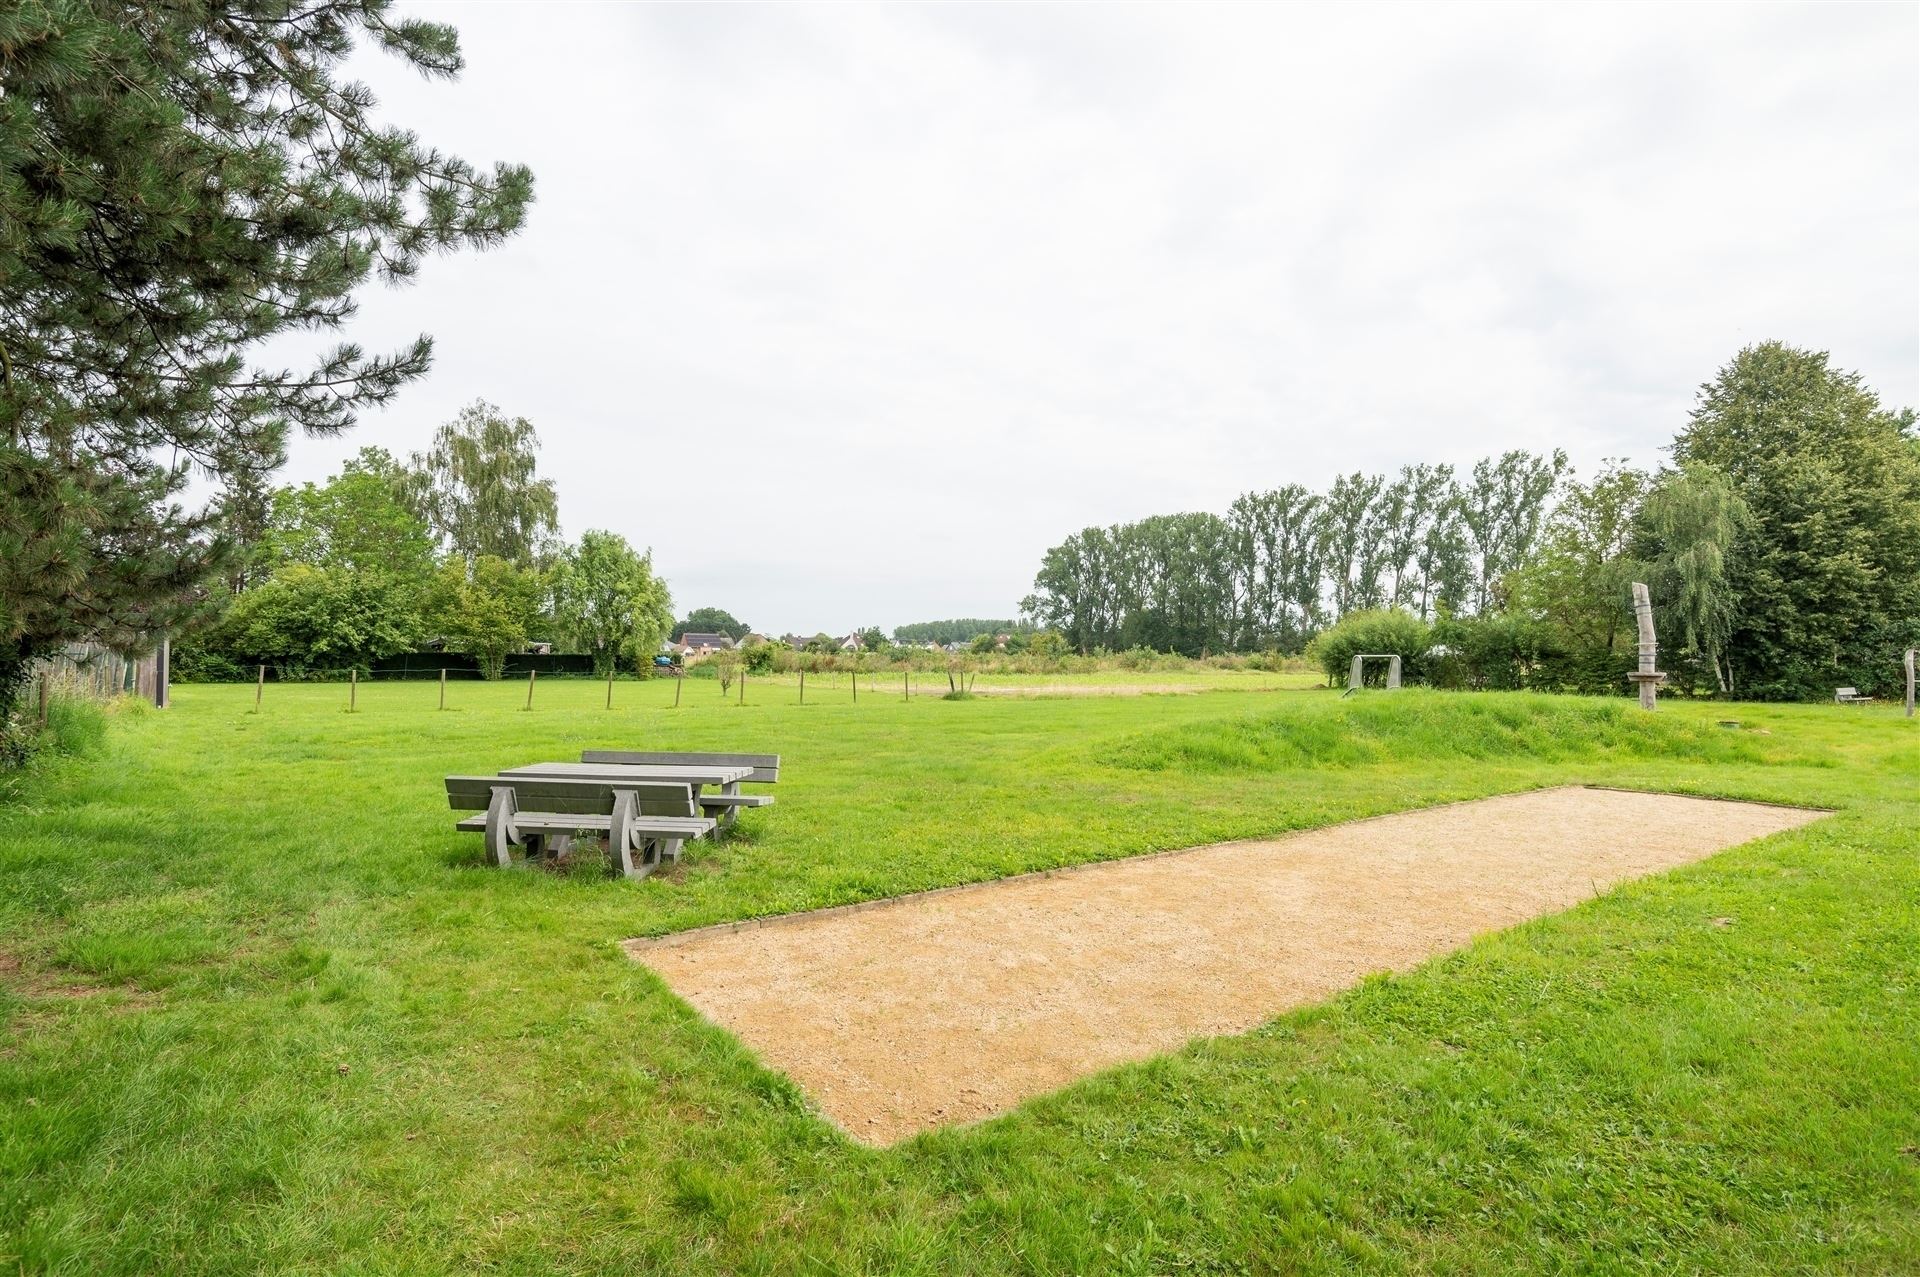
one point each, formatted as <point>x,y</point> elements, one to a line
<point>1115,682</point>
<point>264,1010</point>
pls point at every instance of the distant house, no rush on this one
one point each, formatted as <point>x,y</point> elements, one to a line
<point>755,640</point>
<point>704,644</point>
<point>794,641</point>
<point>851,643</point>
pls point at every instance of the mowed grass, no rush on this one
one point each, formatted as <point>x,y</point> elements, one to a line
<point>266,1012</point>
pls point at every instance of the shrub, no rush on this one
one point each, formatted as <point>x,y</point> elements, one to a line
<point>1394,633</point>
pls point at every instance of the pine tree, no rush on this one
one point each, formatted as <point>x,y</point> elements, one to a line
<point>179,183</point>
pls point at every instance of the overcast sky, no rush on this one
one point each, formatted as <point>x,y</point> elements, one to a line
<point>850,312</point>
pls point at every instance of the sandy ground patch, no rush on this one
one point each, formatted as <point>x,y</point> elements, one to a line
<point>953,1005</point>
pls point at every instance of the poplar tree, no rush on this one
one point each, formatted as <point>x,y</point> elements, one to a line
<point>180,182</point>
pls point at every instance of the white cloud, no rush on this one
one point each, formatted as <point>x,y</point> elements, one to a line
<point>851,311</point>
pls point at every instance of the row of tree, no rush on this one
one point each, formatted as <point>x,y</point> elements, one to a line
<point>1782,548</point>
<point>456,546</point>
<point>959,630</point>
<point>1281,564</point>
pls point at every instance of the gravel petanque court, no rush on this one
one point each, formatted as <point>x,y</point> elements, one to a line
<point>954,1005</point>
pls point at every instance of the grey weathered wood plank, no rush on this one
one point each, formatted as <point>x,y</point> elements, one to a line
<point>766,767</point>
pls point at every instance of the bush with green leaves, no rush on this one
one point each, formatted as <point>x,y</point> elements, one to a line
<point>1382,633</point>
<point>331,618</point>
<point>488,611</point>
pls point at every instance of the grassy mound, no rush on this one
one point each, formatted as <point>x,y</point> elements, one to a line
<point>1414,726</point>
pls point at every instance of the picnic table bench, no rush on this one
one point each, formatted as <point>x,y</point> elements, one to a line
<point>1850,696</point>
<point>644,822</point>
<point>728,802</point>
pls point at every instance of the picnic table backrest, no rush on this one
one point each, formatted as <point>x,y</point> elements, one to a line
<point>766,767</point>
<point>1845,693</point>
<point>571,797</point>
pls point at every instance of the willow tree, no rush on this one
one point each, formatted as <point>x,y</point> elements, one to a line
<point>180,184</point>
<point>1687,529</point>
<point>478,488</point>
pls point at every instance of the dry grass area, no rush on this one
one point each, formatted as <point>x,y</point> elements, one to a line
<point>953,1005</point>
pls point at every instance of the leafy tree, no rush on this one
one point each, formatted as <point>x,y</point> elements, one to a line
<point>324,618</point>
<point>1276,546</point>
<point>1579,581</point>
<point>1348,531</point>
<point>180,184</point>
<point>487,611</point>
<point>1687,530</point>
<point>710,620</point>
<point>607,600</point>
<point>1501,509</point>
<point>1825,580</point>
<point>477,488</point>
<point>356,521</point>
<point>873,638</point>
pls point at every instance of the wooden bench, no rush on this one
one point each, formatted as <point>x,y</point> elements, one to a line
<point>725,803</point>
<point>648,821</point>
<point>1850,696</point>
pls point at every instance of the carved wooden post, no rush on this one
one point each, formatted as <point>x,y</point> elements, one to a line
<point>1646,678</point>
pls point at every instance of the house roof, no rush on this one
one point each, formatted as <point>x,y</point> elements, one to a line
<point>717,641</point>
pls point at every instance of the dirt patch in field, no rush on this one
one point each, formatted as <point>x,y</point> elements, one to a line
<point>954,1005</point>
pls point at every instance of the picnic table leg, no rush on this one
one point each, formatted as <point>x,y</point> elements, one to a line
<point>620,837</point>
<point>670,850</point>
<point>732,812</point>
<point>501,834</point>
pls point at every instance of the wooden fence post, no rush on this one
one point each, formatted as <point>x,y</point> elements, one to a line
<point>743,685</point>
<point>259,687</point>
<point>1911,655</point>
<point>609,689</point>
<point>906,692</point>
<point>443,687</point>
<point>678,680</point>
<point>353,688</point>
<point>530,674</point>
<point>856,685</point>
<point>803,687</point>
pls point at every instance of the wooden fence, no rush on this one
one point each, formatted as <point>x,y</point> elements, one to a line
<point>96,673</point>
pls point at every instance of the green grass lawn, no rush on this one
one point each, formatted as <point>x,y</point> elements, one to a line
<point>264,1011</point>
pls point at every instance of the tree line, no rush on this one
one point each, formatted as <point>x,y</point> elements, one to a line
<point>1782,547</point>
<point>1280,565</point>
<point>458,545</point>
